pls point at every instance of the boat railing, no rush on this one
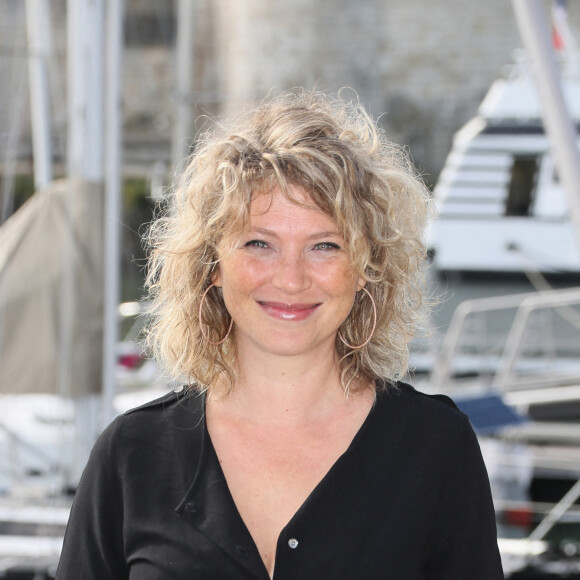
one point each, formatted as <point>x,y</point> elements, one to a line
<point>519,355</point>
<point>556,513</point>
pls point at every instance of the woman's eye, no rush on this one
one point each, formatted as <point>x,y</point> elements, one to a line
<point>256,244</point>
<point>327,246</point>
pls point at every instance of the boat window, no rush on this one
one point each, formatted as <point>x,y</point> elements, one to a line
<point>522,185</point>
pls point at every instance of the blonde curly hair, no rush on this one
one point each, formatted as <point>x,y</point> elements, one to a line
<point>331,148</point>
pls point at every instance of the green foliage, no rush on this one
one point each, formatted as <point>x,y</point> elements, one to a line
<point>23,189</point>
<point>137,213</point>
<point>135,192</point>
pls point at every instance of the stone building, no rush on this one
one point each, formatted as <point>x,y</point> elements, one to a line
<point>424,65</point>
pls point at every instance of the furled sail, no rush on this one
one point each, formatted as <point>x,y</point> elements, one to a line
<point>51,297</point>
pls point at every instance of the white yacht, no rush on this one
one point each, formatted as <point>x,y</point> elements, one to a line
<point>501,207</point>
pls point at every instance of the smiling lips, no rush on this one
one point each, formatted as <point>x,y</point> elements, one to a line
<point>284,311</point>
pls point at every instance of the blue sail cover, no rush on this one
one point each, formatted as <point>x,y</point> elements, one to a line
<point>488,413</point>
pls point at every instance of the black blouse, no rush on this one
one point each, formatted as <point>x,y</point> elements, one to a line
<point>408,500</point>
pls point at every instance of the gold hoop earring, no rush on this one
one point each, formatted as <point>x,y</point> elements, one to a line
<point>201,321</point>
<point>373,328</point>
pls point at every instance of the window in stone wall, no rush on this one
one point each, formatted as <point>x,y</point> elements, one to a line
<point>150,29</point>
<point>522,185</point>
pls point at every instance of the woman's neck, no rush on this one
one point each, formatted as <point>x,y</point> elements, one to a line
<point>286,390</point>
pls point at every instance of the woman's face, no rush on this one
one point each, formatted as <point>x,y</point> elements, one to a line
<point>288,283</point>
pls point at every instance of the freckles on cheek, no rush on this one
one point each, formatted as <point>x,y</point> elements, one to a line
<point>254,270</point>
<point>344,277</point>
<point>241,279</point>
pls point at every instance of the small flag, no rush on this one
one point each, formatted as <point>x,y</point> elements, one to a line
<point>562,37</point>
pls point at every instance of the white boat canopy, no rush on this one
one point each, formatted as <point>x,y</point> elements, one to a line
<point>51,279</point>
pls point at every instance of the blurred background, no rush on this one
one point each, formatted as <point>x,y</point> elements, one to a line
<point>424,68</point>
<point>101,100</point>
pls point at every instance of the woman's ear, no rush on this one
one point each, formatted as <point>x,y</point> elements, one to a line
<point>361,283</point>
<point>216,278</point>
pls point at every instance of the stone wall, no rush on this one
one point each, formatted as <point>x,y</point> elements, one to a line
<point>425,65</point>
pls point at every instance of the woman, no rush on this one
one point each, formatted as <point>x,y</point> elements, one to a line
<point>286,279</point>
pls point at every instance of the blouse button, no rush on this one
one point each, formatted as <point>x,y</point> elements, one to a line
<point>178,389</point>
<point>293,543</point>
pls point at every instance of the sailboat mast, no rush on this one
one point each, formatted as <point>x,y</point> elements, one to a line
<point>37,16</point>
<point>85,89</point>
<point>81,331</point>
<point>183,81</point>
<point>113,194</point>
<point>560,127</point>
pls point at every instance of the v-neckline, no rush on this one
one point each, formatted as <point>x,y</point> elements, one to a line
<point>213,464</point>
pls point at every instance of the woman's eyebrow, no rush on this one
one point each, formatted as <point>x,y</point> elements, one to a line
<point>315,236</point>
<point>263,231</point>
<point>327,234</point>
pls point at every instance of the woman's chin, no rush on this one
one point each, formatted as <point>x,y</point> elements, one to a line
<point>288,346</point>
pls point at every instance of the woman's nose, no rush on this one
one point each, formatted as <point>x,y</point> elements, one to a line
<point>291,275</point>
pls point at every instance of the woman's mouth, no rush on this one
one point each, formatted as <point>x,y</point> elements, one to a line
<point>283,311</point>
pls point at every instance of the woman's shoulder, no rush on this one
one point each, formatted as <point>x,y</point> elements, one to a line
<point>181,401</point>
<point>405,394</point>
<point>178,413</point>
<point>420,427</point>
<point>426,412</point>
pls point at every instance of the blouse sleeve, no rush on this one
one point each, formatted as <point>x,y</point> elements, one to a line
<point>93,543</point>
<point>467,540</point>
